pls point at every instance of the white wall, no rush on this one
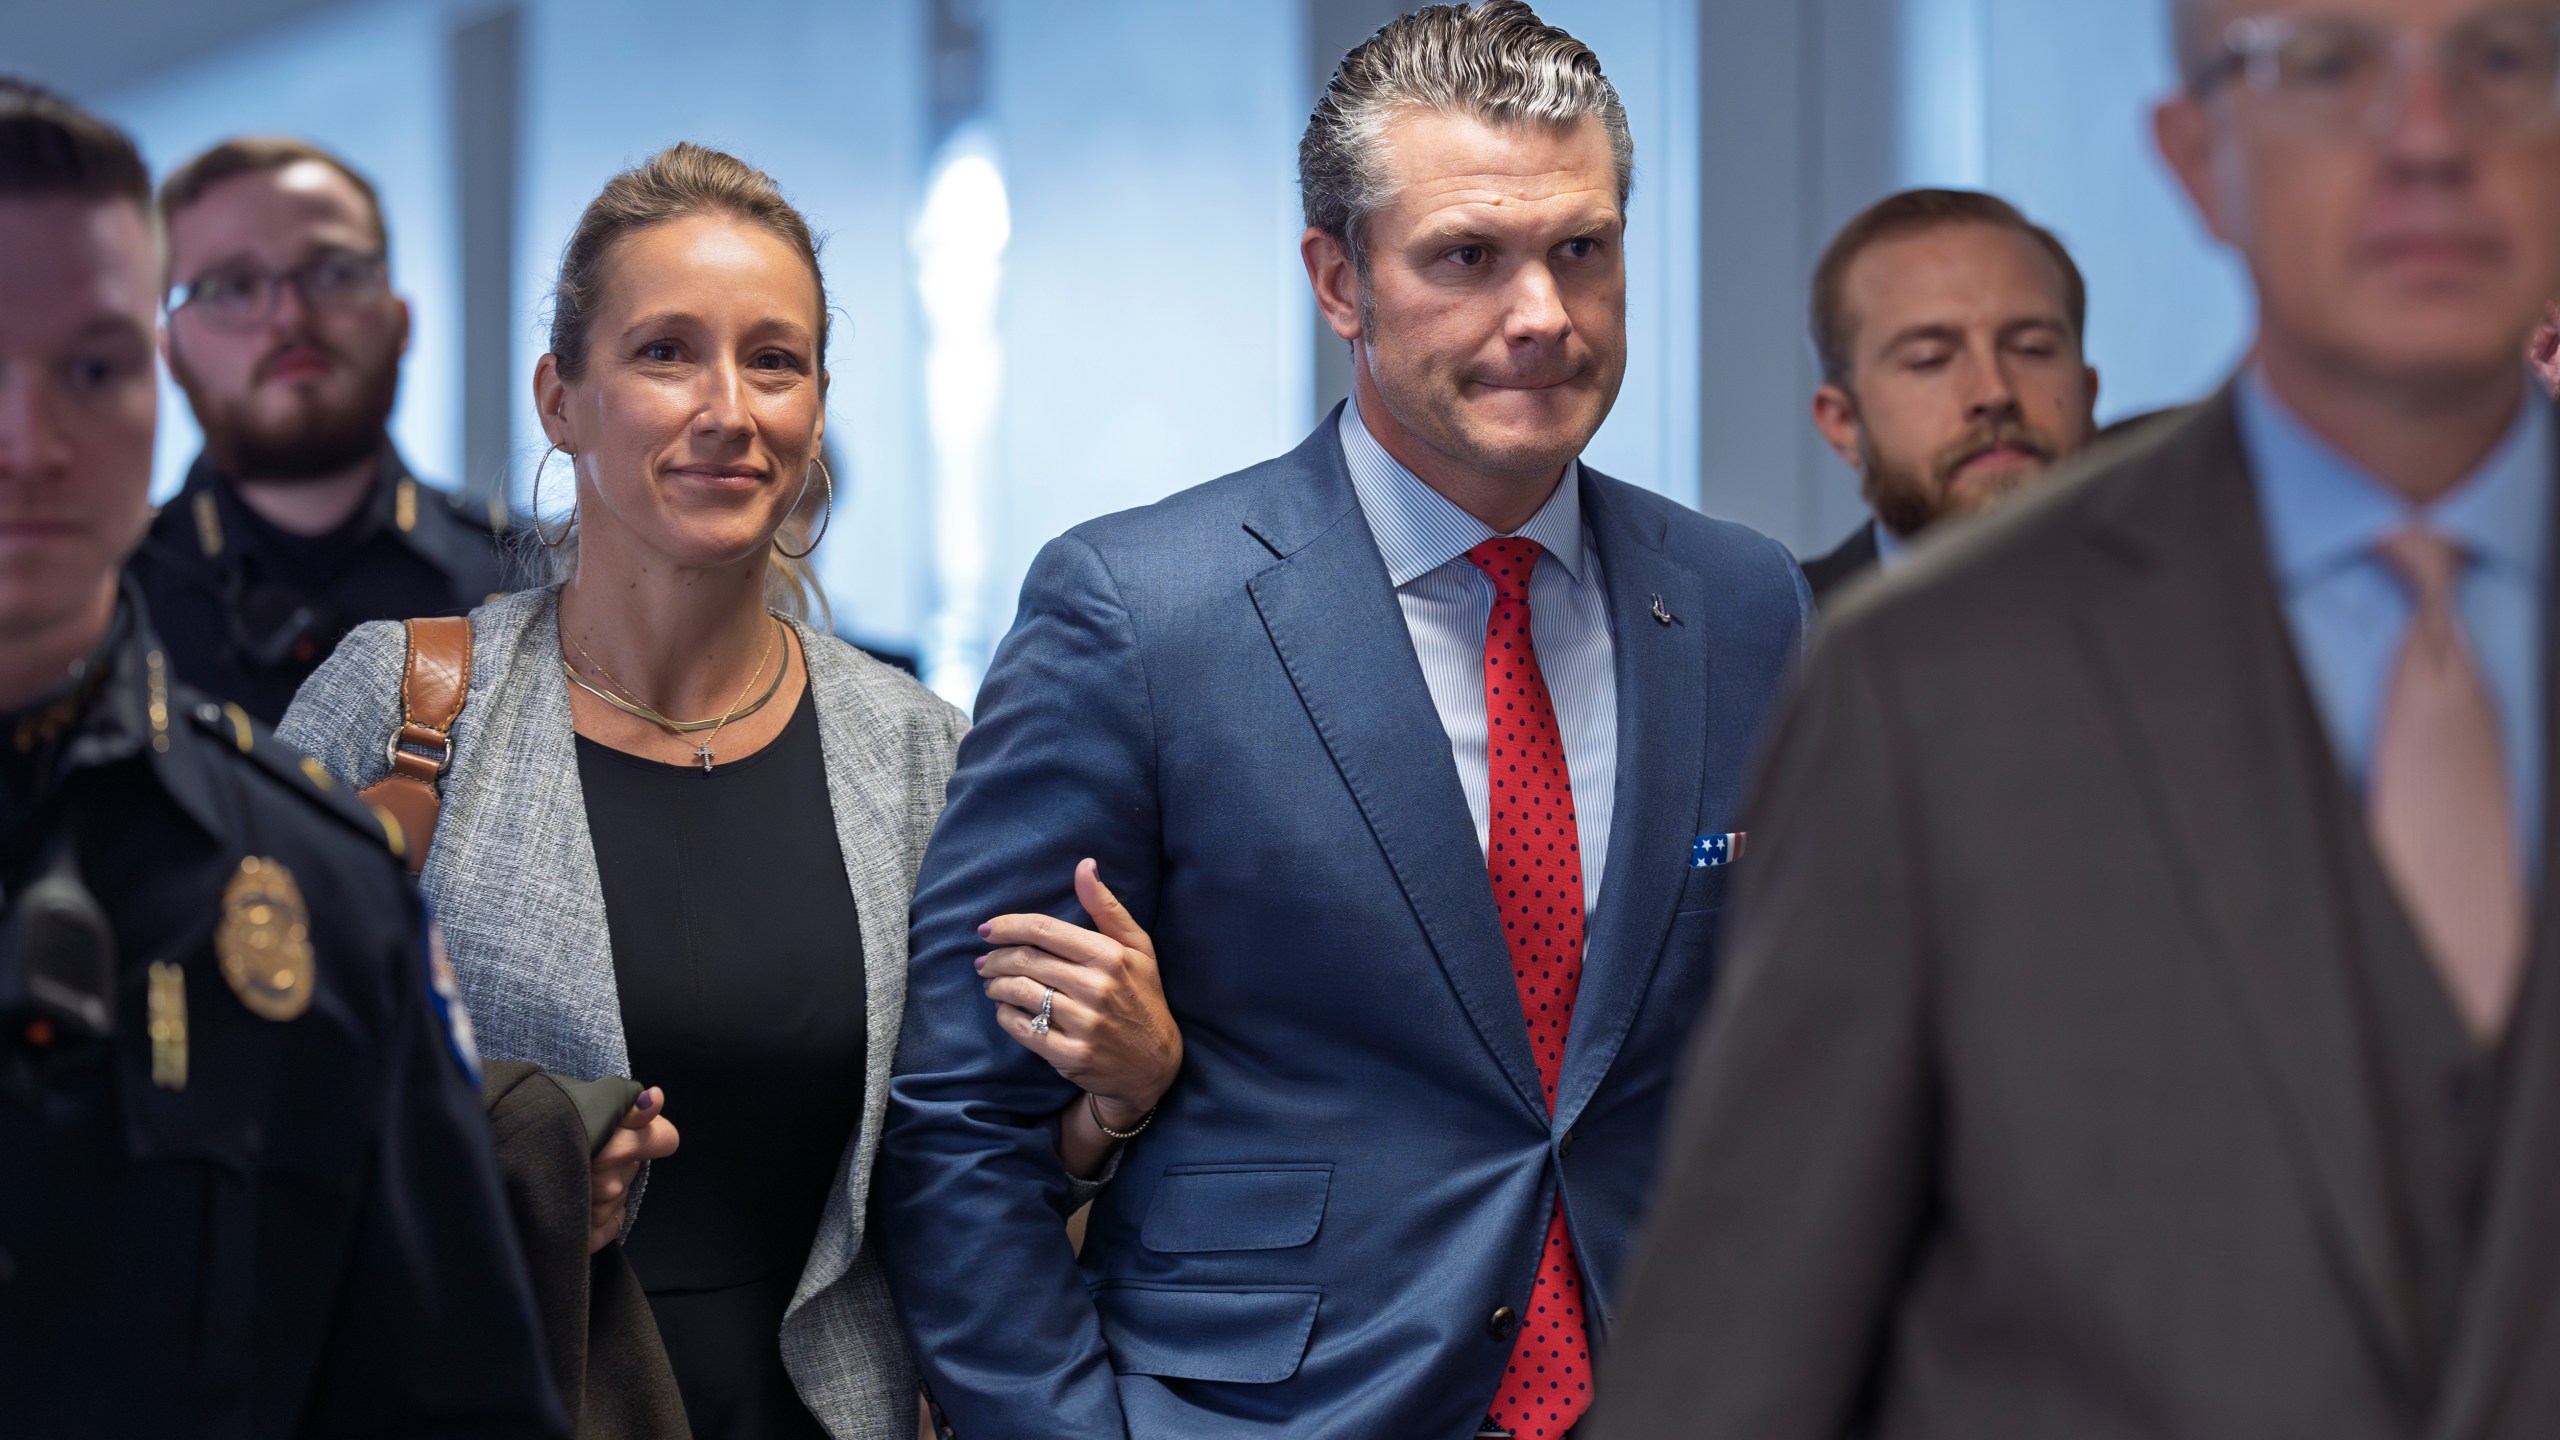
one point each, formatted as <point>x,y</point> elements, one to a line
<point>827,98</point>
<point>368,82</point>
<point>1776,126</point>
<point>1649,50</point>
<point>1154,315</point>
<point>1813,109</point>
<point>2050,106</point>
<point>2067,104</point>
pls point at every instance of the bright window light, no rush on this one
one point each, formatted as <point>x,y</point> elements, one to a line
<point>959,245</point>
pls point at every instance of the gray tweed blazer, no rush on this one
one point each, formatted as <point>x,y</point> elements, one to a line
<point>512,877</point>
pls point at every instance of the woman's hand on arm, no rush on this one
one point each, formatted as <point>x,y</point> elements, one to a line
<point>1110,1032</point>
<point>644,1134</point>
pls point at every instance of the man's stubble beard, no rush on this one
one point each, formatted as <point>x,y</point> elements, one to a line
<point>1907,501</point>
<point>316,445</point>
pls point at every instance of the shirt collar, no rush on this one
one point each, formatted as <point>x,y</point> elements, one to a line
<point>1890,548</point>
<point>1418,529</point>
<point>2325,513</point>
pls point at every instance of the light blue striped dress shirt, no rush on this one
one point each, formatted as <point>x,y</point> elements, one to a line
<point>2349,611</point>
<point>1424,538</point>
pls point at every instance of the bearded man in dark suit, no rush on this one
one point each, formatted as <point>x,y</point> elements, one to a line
<point>1949,328</point>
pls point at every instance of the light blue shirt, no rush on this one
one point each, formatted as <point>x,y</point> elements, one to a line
<point>2348,610</point>
<point>1890,547</point>
<point>1424,538</point>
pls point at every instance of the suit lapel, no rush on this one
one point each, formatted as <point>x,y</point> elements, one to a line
<point>1333,618</point>
<point>868,791</point>
<point>1662,680</point>
<point>527,923</point>
<point>2512,1284</point>
<point>2203,678</point>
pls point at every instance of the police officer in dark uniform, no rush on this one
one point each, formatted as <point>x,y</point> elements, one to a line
<point>253,609</point>
<point>300,520</point>
<point>245,1185</point>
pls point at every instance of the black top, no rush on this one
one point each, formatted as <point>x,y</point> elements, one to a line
<point>272,1222</point>
<point>248,611</point>
<point>1853,557</point>
<point>740,967</point>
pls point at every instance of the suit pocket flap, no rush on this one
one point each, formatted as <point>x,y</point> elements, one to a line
<point>1241,1337</point>
<point>1236,1207</point>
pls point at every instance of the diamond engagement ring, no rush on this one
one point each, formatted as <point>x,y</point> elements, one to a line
<point>1040,1022</point>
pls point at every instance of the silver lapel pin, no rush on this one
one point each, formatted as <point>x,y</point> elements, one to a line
<point>1661,612</point>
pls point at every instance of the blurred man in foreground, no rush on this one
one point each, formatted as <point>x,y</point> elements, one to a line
<point>1949,331</point>
<point>299,521</point>
<point>2144,1018</point>
<point>246,1189</point>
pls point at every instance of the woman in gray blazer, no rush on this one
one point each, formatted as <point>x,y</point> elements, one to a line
<point>681,826</point>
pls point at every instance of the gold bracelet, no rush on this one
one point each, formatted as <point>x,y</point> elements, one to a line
<point>1093,1107</point>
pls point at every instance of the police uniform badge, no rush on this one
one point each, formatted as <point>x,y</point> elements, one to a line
<point>264,940</point>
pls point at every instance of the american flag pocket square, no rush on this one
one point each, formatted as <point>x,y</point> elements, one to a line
<point>1709,850</point>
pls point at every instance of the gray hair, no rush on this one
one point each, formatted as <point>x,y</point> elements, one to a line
<point>1495,61</point>
<point>2190,39</point>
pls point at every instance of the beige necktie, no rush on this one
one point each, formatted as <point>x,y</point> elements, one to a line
<point>2441,809</point>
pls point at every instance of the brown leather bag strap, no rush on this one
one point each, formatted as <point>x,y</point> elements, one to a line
<point>434,685</point>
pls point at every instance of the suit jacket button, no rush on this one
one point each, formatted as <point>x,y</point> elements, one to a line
<point>1564,1143</point>
<point>1504,1324</point>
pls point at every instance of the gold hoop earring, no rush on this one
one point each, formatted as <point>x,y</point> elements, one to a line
<point>823,521</point>
<point>547,542</point>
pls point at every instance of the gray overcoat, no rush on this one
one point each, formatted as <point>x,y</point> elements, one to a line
<point>512,878</point>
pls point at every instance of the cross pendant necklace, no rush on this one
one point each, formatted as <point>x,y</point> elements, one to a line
<point>738,708</point>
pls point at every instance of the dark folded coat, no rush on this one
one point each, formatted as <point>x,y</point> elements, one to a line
<point>604,1350</point>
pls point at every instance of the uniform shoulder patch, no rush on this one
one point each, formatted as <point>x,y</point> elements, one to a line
<point>484,517</point>
<point>444,997</point>
<point>173,544</point>
<point>231,727</point>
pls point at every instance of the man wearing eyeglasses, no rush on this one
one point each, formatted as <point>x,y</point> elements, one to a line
<point>299,521</point>
<point>2142,1010</point>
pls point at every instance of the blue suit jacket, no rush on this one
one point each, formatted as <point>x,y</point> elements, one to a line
<point>1216,696</point>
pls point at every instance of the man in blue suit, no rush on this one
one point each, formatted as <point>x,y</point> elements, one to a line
<point>1364,735</point>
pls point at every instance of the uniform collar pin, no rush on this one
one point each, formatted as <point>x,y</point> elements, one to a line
<point>1661,612</point>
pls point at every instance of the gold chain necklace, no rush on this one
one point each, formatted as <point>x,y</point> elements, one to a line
<point>630,705</point>
<point>622,698</point>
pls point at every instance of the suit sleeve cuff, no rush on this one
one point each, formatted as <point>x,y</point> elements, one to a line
<point>1081,1192</point>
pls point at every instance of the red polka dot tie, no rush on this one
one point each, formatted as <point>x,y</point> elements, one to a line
<point>1534,854</point>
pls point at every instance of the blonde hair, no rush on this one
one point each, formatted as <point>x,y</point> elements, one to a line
<point>683,179</point>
